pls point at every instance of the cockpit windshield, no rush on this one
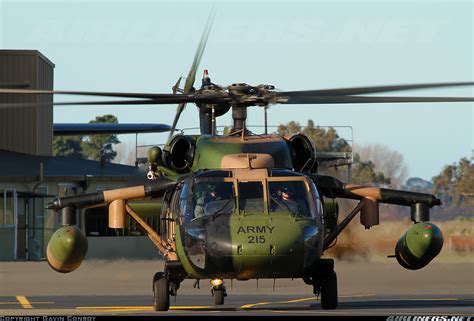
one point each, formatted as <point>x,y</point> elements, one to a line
<point>251,198</point>
<point>289,196</point>
<point>213,196</point>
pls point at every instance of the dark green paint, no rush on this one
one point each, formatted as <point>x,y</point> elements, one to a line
<point>210,151</point>
<point>419,245</point>
<point>68,246</point>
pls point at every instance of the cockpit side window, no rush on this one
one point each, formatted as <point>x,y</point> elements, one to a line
<point>183,201</point>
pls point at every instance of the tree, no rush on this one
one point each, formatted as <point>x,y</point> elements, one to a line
<point>365,172</point>
<point>455,186</point>
<point>67,146</point>
<point>324,140</point>
<point>99,147</point>
<point>386,161</point>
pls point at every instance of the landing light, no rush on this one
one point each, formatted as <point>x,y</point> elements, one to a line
<point>216,282</point>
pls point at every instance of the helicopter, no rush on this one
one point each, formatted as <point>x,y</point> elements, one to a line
<point>242,205</point>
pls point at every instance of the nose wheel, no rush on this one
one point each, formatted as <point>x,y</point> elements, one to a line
<point>218,291</point>
<point>219,296</point>
<point>161,292</point>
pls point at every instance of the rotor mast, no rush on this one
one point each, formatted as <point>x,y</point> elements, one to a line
<point>239,117</point>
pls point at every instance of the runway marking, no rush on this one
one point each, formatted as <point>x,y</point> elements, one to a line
<point>101,309</point>
<point>31,302</point>
<point>119,310</point>
<point>362,295</point>
<point>298,300</point>
<point>116,307</point>
<point>251,305</point>
<point>24,302</point>
<point>190,307</point>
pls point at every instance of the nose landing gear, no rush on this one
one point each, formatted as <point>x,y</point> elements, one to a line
<point>218,291</point>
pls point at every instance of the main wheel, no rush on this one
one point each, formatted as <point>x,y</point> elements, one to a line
<point>219,297</point>
<point>329,291</point>
<point>161,292</point>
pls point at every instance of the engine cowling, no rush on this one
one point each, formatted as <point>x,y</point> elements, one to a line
<point>66,249</point>
<point>419,245</point>
<point>303,152</point>
<point>180,156</point>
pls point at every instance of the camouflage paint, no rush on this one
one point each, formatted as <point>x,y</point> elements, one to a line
<point>210,150</point>
<point>66,249</point>
<point>252,246</point>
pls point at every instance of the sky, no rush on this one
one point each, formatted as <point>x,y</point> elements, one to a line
<point>144,46</point>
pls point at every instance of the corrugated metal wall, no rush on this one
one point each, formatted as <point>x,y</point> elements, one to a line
<point>26,129</point>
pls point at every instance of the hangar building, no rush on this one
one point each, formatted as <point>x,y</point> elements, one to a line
<point>30,176</point>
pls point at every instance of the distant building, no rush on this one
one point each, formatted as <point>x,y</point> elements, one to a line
<point>28,182</point>
<point>30,176</point>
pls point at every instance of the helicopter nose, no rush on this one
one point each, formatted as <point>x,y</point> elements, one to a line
<point>254,245</point>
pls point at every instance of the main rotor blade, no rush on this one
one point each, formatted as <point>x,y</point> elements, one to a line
<point>374,89</point>
<point>74,129</point>
<point>198,55</point>
<point>368,100</point>
<point>177,99</point>
<point>179,110</point>
<point>84,93</point>
<point>188,85</point>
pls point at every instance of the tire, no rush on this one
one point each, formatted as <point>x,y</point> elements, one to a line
<point>161,292</point>
<point>329,292</point>
<point>219,297</point>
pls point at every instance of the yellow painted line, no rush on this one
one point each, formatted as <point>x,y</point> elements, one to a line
<point>116,307</point>
<point>184,307</point>
<point>119,308</point>
<point>356,296</point>
<point>248,306</point>
<point>115,311</point>
<point>251,305</point>
<point>298,300</point>
<point>24,302</point>
<point>16,302</point>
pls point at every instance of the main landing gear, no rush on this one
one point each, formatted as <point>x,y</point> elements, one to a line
<point>161,292</point>
<point>324,282</point>
<point>166,284</point>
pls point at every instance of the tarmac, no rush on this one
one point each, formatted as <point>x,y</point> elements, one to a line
<point>124,288</point>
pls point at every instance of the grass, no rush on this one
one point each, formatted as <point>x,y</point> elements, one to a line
<point>356,243</point>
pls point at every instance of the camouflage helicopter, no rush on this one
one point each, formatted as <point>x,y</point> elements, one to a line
<point>243,205</point>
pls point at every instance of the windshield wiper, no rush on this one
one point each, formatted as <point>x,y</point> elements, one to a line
<point>280,202</point>
<point>221,210</point>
